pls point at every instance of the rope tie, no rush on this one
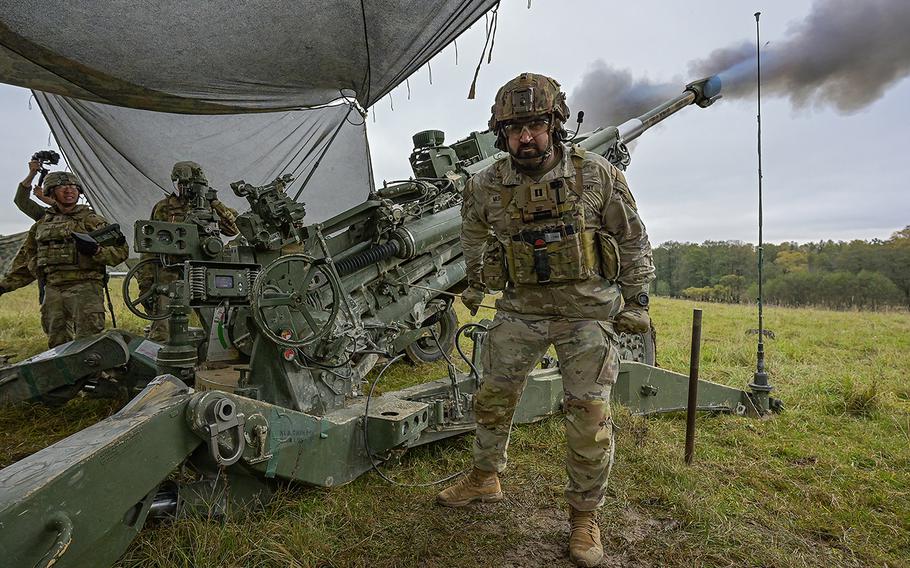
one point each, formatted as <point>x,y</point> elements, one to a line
<point>490,41</point>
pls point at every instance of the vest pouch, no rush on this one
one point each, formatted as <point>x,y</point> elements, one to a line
<point>609,255</point>
<point>55,244</point>
<point>569,261</point>
<point>494,273</point>
<point>520,261</point>
<point>59,253</point>
<point>573,258</point>
<point>550,255</point>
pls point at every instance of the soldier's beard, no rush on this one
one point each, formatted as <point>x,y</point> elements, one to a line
<point>531,157</point>
<point>529,150</point>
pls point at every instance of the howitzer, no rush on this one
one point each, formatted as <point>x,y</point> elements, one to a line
<point>312,308</point>
<point>367,235</point>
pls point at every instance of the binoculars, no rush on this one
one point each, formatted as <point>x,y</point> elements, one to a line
<point>45,157</point>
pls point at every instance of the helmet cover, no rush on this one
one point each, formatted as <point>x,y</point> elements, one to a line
<point>527,96</point>
<point>56,179</point>
<point>187,173</point>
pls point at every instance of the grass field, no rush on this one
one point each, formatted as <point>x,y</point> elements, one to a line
<point>826,483</point>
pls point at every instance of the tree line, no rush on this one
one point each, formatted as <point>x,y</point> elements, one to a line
<point>836,274</point>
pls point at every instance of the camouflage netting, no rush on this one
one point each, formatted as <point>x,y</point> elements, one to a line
<point>123,85</point>
<point>9,247</point>
<point>125,155</point>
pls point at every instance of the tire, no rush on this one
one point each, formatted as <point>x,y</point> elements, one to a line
<point>425,350</point>
<point>639,347</point>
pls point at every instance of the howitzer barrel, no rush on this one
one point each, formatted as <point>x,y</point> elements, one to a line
<point>600,140</point>
<point>702,92</point>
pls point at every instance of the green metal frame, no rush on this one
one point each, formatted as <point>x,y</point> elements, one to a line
<point>81,501</point>
<point>53,376</point>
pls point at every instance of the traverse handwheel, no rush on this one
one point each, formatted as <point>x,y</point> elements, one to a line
<point>295,300</point>
<point>146,305</point>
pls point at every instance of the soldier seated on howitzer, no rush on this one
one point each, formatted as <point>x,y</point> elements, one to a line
<point>74,274</point>
<point>191,192</point>
<point>557,230</point>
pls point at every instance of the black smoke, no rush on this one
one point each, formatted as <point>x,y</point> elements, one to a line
<point>610,96</point>
<point>845,54</point>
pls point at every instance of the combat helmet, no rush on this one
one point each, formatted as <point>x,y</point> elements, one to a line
<point>188,173</point>
<point>527,96</point>
<point>56,179</point>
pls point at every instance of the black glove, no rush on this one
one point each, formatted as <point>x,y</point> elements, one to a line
<point>86,244</point>
<point>108,235</point>
<point>472,297</point>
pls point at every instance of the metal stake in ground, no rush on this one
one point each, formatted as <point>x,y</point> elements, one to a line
<point>694,358</point>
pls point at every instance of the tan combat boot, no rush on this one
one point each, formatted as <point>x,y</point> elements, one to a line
<point>585,548</point>
<point>478,485</point>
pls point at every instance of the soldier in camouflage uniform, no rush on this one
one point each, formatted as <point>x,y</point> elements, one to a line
<point>22,199</point>
<point>33,210</point>
<point>19,266</point>
<point>74,297</point>
<point>557,230</point>
<point>189,181</point>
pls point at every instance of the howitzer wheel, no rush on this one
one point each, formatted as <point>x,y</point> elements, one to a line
<point>425,350</point>
<point>288,300</point>
<point>638,347</point>
<point>147,300</point>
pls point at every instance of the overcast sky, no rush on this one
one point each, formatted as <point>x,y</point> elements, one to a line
<point>826,174</point>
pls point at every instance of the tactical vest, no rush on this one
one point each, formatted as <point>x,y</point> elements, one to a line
<point>173,209</point>
<point>548,240</point>
<point>56,249</point>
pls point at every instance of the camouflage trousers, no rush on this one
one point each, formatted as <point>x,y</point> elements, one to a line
<point>589,363</point>
<point>159,330</point>
<point>72,311</point>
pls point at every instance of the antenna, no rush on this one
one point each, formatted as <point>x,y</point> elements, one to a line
<point>760,388</point>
